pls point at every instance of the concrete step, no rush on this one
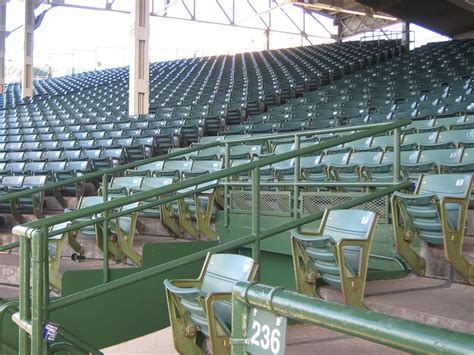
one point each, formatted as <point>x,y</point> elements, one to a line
<point>300,339</point>
<point>420,299</point>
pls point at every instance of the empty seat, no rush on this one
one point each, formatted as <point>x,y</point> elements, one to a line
<point>337,254</point>
<point>55,250</point>
<point>203,307</point>
<point>436,213</point>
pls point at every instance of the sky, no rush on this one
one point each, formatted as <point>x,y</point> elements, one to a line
<point>78,39</point>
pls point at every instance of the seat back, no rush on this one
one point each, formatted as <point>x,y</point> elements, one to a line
<point>348,224</point>
<point>453,185</point>
<point>224,270</point>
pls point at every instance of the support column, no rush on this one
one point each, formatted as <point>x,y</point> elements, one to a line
<point>3,34</point>
<point>27,78</point>
<point>406,36</point>
<point>340,28</point>
<point>140,63</point>
<point>267,38</point>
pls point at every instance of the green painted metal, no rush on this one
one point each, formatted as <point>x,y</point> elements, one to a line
<point>24,305</point>
<point>379,328</point>
<point>9,246</point>
<point>256,218</point>
<point>145,274</point>
<point>130,311</point>
<point>8,330</point>
<point>40,237</point>
<point>76,342</point>
<point>105,230</point>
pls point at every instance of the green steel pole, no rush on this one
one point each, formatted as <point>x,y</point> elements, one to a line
<point>256,218</point>
<point>45,274</point>
<point>376,327</point>
<point>38,346</point>
<point>296,179</point>
<point>396,155</point>
<point>24,306</point>
<point>226,187</point>
<point>9,246</point>
<point>105,231</point>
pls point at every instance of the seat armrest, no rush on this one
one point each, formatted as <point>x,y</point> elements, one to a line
<point>182,291</point>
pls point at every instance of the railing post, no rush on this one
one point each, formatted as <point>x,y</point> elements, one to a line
<point>226,187</point>
<point>105,230</point>
<point>38,346</point>
<point>239,325</point>
<point>396,154</point>
<point>296,179</point>
<point>45,237</point>
<point>25,314</point>
<point>256,217</point>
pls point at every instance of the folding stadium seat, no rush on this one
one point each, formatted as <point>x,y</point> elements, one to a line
<point>212,153</point>
<point>15,168</point>
<point>14,146</point>
<point>167,214</point>
<point>7,184</point>
<point>67,144</point>
<point>459,137</point>
<point>337,254</point>
<point>429,162</point>
<point>174,168</point>
<point>435,213</point>
<point>203,308</point>
<point>350,172</point>
<point>30,204</point>
<point>292,126</point>
<point>123,228</point>
<point>16,156</point>
<point>35,168</point>
<point>146,169</point>
<point>55,250</point>
<point>449,122</point>
<point>360,144</point>
<point>383,172</point>
<point>122,185</point>
<point>426,140</point>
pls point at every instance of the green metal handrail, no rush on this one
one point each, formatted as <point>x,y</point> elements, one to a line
<point>376,327</point>
<point>172,265</point>
<point>34,235</point>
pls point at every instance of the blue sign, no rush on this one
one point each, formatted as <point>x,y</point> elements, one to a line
<point>50,331</point>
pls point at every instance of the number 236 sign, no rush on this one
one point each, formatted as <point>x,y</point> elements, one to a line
<point>266,333</point>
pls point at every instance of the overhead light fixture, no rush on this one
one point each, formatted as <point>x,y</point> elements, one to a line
<point>341,9</point>
<point>383,17</point>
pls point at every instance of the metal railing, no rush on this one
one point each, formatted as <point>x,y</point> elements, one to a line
<point>34,235</point>
<point>379,328</point>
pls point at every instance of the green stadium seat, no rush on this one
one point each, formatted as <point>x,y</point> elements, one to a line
<point>55,251</point>
<point>429,162</point>
<point>122,230</point>
<point>121,186</point>
<point>202,307</point>
<point>383,172</point>
<point>459,137</point>
<point>148,169</point>
<point>337,254</point>
<point>436,213</point>
<point>166,212</point>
